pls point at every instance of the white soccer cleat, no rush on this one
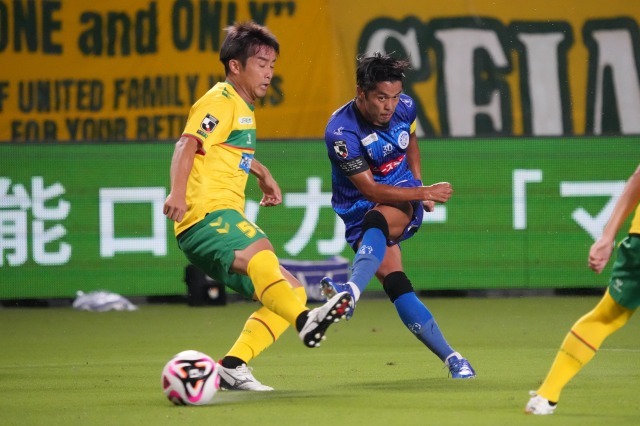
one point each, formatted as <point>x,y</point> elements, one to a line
<point>538,405</point>
<point>240,378</point>
<point>321,318</point>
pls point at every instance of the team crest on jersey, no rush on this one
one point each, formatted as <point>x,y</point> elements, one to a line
<point>340,148</point>
<point>209,123</point>
<point>403,139</point>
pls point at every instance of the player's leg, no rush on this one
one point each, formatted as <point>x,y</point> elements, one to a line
<point>261,264</point>
<point>273,290</point>
<point>260,331</point>
<point>225,241</point>
<point>586,336</point>
<point>581,344</point>
<point>372,247</point>
<point>375,232</point>
<point>578,348</point>
<point>416,316</point>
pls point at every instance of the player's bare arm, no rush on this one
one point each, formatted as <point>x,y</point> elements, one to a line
<point>175,206</point>
<point>413,159</point>
<point>413,156</point>
<point>388,194</point>
<point>272,195</point>
<point>601,250</point>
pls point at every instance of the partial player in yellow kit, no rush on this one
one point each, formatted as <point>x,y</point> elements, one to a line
<point>224,125</point>
<point>614,310</point>
<point>209,171</point>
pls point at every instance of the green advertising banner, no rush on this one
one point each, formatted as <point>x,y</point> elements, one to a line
<point>523,215</point>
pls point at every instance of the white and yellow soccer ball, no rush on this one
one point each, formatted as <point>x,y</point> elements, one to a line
<point>190,378</point>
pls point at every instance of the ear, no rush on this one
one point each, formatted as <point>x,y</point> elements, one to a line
<point>360,94</point>
<point>234,66</point>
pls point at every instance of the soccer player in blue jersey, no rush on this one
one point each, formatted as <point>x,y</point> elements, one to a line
<point>378,193</point>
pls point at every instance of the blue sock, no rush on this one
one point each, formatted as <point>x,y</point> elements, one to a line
<point>368,257</point>
<point>419,320</point>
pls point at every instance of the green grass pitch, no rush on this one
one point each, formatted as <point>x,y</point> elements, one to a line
<point>63,367</point>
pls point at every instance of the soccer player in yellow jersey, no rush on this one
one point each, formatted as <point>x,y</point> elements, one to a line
<point>614,309</point>
<point>209,171</point>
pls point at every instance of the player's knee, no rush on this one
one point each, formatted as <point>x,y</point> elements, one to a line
<point>610,313</point>
<point>263,269</point>
<point>375,219</point>
<point>396,284</point>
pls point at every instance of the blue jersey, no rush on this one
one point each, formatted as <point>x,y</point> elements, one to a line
<point>355,145</point>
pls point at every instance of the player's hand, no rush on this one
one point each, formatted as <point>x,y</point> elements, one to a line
<point>439,192</point>
<point>272,195</point>
<point>600,254</point>
<point>428,205</point>
<point>175,208</point>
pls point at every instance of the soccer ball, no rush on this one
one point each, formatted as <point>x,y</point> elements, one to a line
<point>190,378</point>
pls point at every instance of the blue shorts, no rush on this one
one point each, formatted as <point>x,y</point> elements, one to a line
<point>354,216</point>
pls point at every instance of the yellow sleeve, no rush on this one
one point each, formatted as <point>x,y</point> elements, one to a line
<point>210,120</point>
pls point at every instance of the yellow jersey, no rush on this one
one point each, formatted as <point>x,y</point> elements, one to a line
<point>225,126</point>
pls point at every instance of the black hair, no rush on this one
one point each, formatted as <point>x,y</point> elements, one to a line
<point>376,68</point>
<point>245,40</point>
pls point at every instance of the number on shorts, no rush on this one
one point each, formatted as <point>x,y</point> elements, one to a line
<point>247,228</point>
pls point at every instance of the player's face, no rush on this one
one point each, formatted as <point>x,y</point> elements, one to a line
<point>257,73</point>
<point>379,104</point>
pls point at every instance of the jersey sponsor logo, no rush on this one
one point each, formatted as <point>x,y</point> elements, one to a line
<point>209,123</point>
<point>407,101</point>
<point>338,131</point>
<point>201,133</point>
<point>369,139</point>
<point>403,139</point>
<point>388,167</point>
<point>245,120</point>
<point>245,162</point>
<point>340,147</point>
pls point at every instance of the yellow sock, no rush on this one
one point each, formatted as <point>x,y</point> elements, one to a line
<point>581,344</point>
<point>272,289</point>
<point>301,294</point>
<point>261,330</point>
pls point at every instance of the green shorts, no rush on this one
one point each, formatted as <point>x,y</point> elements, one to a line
<point>624,286</point>
<point>211,244</point>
